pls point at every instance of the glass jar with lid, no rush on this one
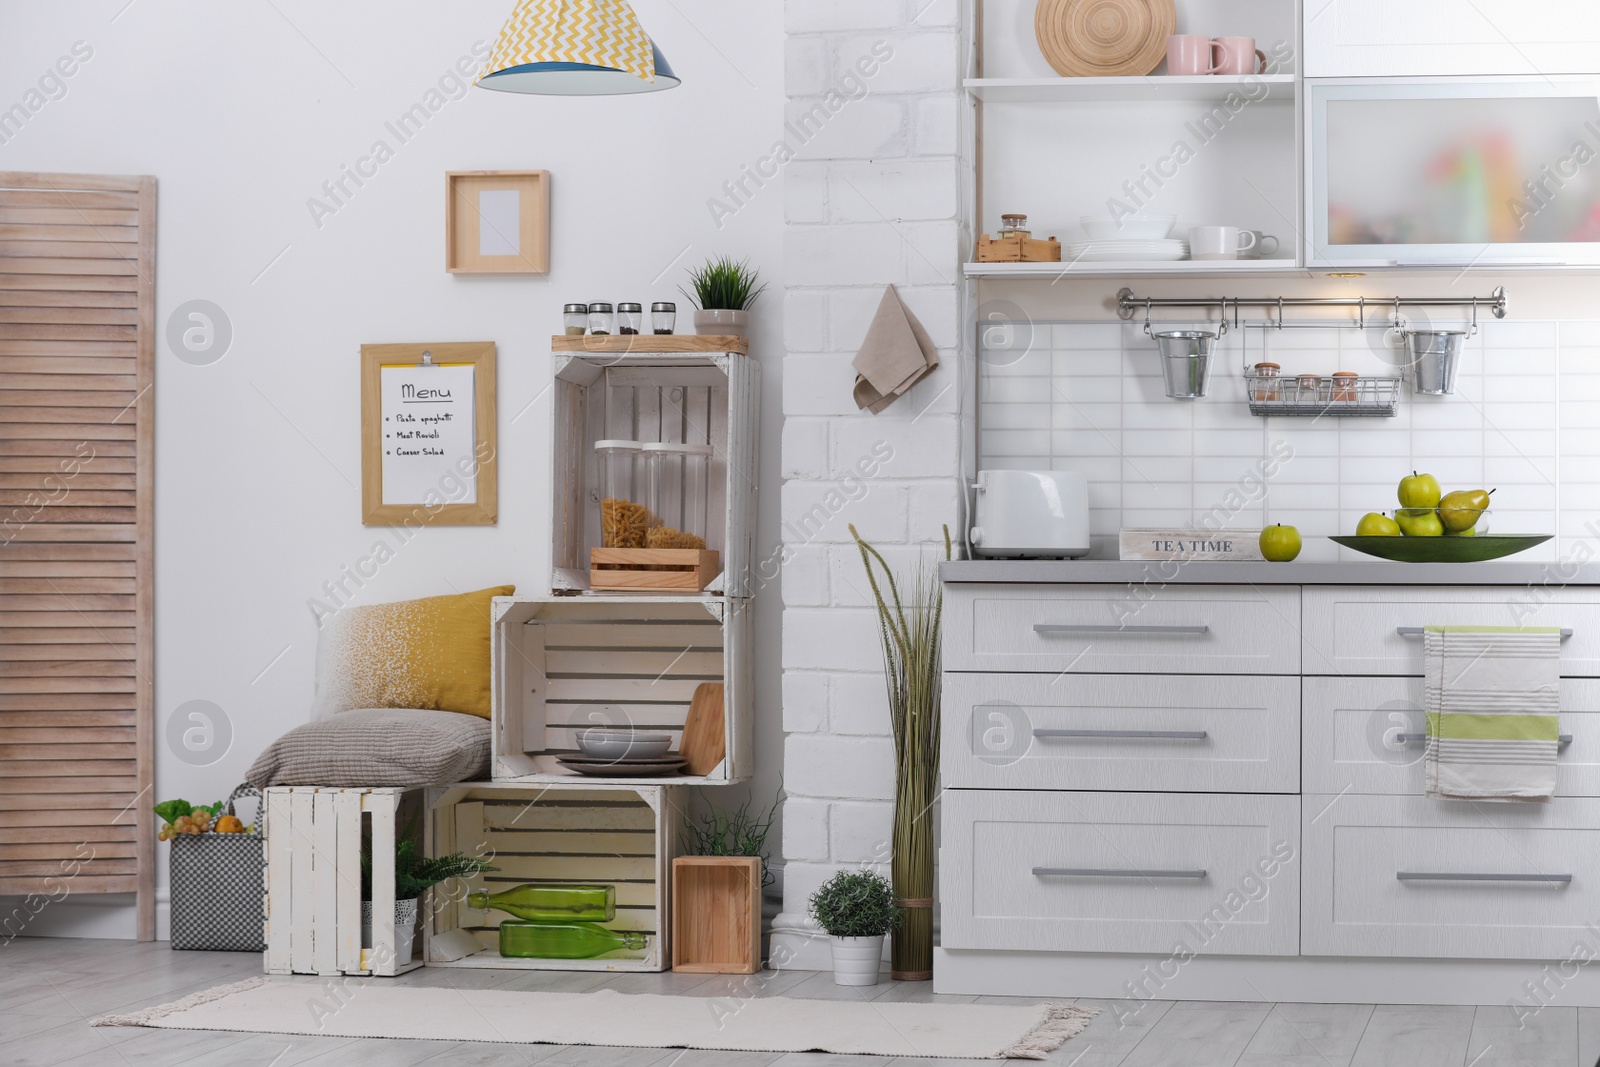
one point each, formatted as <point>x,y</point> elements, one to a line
<point>1014,225</point>
<point>663,316</point>
<point>630,318</point>
<point>575,319</point>
<point>600,317</point>
<point>624,517</point>
<point>679,495</point>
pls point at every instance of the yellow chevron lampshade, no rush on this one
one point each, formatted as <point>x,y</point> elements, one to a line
<point>575,48</point>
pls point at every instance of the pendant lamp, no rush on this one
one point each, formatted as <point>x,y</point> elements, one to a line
<point>575,48</point>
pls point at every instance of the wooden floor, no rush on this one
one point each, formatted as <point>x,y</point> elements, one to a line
<point>50,988</point>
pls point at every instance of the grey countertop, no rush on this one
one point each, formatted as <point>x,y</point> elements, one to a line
<point>1200,572</point>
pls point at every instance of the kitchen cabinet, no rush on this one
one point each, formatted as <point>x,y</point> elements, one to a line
<point>1385,39</point>
<point>1428,172</point>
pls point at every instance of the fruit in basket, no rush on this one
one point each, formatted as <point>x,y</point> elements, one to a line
<point>1460,510</point>
<point>1418,491</point>
<point>1280,543</point>
<point>1377,524</point>
<point>229,824</point>
<point>1419,522</point>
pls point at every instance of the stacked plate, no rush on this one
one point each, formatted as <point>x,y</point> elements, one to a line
<point>1127,251</point>
<point>624,766</point>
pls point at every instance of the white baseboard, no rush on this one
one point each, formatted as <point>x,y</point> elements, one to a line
<point>1527,984</point>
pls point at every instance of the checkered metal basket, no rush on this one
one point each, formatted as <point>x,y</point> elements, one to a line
<point>218,885</point>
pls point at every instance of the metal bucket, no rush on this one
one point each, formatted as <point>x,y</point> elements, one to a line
<point>1434,355</point>
<point>1185,361</point>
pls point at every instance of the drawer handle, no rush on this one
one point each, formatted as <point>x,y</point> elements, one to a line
<point>1562,740</point>
<point>1103,872</point>
<point>1416,631</point>
<point>1065,628</point>
<point>1434,876</point>
<point>1136,735</point>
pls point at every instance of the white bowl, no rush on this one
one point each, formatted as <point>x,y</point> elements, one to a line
<point>607,742</point>
<point>1128,227</point>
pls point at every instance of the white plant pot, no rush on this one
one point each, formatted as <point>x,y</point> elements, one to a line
<point>722,322</point>
<point>856,960</point>
<point>405,928</point>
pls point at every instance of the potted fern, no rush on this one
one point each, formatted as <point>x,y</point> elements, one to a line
<point>414,874</point>
<point>856,910</point>
<point>723,293</point>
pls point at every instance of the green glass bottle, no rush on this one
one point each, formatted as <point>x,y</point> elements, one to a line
<point>565,941</point>
<point>552,903</point>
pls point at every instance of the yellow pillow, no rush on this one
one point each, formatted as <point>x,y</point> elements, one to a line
<point>431,653</point>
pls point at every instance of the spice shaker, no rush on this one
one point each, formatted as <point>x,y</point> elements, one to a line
<point>630,317</point>
<point>600,318</point>
<point>663,316</point>
<point>575,319</point>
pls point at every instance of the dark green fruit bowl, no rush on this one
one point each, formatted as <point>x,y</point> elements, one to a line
<point>1443,549</point>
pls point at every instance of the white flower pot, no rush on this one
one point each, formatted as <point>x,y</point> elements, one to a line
<point>405,927</point>
<point>722,322</point>
<point>856,960</point>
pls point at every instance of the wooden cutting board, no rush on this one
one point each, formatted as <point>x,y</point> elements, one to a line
<point>705,739</point>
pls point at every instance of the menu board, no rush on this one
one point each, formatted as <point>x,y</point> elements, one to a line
<point>429,439</point>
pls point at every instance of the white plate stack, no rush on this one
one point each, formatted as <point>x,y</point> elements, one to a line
<point>1128,239</point>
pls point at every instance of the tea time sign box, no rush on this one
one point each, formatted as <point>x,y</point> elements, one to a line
<point>1187,542</point>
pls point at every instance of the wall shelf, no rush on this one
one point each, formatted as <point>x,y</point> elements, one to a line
<point>1083,269</point>
<point>1101,90</point>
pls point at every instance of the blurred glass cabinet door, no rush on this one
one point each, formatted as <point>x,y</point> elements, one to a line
<point>1453,172</point>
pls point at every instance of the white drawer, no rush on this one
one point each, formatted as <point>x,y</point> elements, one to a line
<point>1120,872</point>
<point>1122,629</point>
<point>1364,735</point>
<point>1355,629</point>
<point>1150,732</point>
<point>1409,876</point>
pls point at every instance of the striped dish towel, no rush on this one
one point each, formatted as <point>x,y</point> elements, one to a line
<point>1493,704</point>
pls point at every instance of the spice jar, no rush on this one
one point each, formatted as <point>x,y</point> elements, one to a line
<point>1014,226</point>
<point>600,318</point>
<point>1310,386</point>
<point>1270,387</point>
<point>679,494</point>
<point>663,316</point>
<point>575,319</point>
<point>1344,384</point>
<point>630,317</point>
<point>624,518</point>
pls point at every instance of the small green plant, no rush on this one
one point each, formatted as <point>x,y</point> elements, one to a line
<point>723,285</point>
<point>855,904</point>
<point>415,873</point>
<point>740,832</point>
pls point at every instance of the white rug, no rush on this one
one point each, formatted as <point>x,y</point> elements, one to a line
<point>756,1024</point>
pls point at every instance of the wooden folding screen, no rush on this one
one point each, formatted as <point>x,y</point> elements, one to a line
<point>77,343</point>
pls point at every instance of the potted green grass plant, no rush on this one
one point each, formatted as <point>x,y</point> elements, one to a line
<point>855,909</point>
<point>723,291</point>
<point>414,874</point>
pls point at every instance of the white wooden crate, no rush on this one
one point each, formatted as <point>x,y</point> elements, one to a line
<point>313,905</point>
<point>591,834</point>
<point>709,397</point>
<point>563,663</point>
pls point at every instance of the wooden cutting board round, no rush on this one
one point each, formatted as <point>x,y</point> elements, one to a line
<point>1104,38</point>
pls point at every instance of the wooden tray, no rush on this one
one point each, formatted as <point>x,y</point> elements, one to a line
<point>681,569</point>
<point>1017,250</point>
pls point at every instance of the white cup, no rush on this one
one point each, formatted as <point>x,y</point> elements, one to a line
<point>1266,245</point>
<point>1220,242</point>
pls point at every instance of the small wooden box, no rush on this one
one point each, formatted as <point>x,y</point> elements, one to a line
<point>590,834</point>
<point>1017,249</point>
<point>716,914</point>
<point>1189,543</point>
<point>314,841</point>
<point>682,569</point>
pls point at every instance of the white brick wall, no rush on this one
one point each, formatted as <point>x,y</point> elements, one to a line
<point>872,199</point>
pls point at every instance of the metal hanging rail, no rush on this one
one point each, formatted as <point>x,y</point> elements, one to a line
<point>1128,304</point>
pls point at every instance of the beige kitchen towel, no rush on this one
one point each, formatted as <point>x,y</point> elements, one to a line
<point>897,354</point>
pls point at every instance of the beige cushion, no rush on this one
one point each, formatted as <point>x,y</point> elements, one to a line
<point>403,747</point>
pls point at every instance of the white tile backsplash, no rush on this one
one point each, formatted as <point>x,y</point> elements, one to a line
<point>1525,420</point>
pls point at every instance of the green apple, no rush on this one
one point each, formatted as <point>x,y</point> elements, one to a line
<point>1419,491</point>
<point>1377,524</point>
<point>1419,522</point>
<point>1280,543</point>
<point>1461,510</point>
<point>1468,532</point>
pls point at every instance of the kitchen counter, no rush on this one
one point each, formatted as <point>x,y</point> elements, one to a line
<point>1203,572</point>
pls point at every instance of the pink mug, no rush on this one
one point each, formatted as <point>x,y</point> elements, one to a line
<point>1189,53</point>
<point>1238,55</point>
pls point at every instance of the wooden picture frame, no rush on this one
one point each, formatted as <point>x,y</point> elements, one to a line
<point>441,511</point>
<point>480,236</point>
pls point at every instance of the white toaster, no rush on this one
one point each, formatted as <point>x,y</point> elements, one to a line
<point>1032,514</point>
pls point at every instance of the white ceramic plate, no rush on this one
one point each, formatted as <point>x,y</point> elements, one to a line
<point>607,743</point>
<point>1129,257</point>
<point>1129,227</point>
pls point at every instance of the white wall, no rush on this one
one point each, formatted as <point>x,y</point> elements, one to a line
<point>242,112</point>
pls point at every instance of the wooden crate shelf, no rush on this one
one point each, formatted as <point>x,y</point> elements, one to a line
<point>616,834</point>
<point>716,914</point>
<point>562,663</point>
<point>701,391</point>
